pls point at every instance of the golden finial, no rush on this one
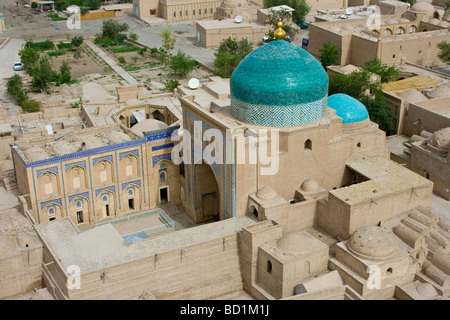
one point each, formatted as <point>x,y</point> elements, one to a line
<point>279,34</point>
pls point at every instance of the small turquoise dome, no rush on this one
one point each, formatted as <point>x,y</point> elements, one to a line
<point>348,108</point>
<point>279,85</point>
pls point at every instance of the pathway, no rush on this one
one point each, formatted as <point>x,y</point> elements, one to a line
<point>110,61</point>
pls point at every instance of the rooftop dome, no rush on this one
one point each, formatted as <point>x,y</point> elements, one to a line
<point>422,7</point>
<point>439,92</point>
<point>279,85</point>
<point>309,185</point>
<point>440,140</point>
<point>348,108</point>
<point>372,243</point>
<point>294,243</point>
<point>266,193</point>
<point>412,95</point>
<point>434,21</point>
<point>426,290</point>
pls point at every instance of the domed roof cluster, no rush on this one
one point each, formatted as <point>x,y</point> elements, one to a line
<point>279,85</point>
<point>423,7</point>
<point>348,108</point>
<point>372,243</point>
<point>440,140</point>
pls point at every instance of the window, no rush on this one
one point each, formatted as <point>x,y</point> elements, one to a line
<point>187,12</point>
<point>199,11</point>
<point>174,14</point>
<point>51,210</point>
<point>130,192</point>
<point>308,145</point>
<point>79,204</point>
<point>163,176</point>
<point>181,13</point>
<point>211,10</point>
<point>193,12</point>
<point>105,198</point>
<point>206,11</point>
<point>269,266</point>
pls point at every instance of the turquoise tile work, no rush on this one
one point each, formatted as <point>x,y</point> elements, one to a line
<point>348,108</point>
<point>279,84</point>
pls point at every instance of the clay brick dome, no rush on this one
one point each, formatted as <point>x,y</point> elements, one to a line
<point>440,140</point>
<point>372,243</point>
<point>309,185</point>
<point>266,193</point>
<point>294,243</point>
<point>422,7</point>
<point>426,290</point>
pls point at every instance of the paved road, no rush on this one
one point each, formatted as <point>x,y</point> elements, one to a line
<point>9,53</point>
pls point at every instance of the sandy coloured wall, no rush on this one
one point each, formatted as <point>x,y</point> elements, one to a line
<point>203,271</point>
<point>20,272</point>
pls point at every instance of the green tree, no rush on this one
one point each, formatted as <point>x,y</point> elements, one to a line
<point>133,36</point>
<point>182,64</point>
<point>272,21</point>
<point>92,4</point>
<point>387,73</point>
<point>64,73</point>
<point>142,52</point>
<point>114,30</point>
<point>444,51</point>
<point>229,55</point>
<point>77,41</point>
<point>29,58</point>
<point>359,85</point>
<point>77,54</point>
<point>301,8</point>
<point>329,54</point>
<point>42,75</point>
<point>34,5</point>
<point>168,41</point>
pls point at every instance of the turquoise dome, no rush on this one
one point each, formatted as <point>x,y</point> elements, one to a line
<point>348,108</point>
<point>279,85</point>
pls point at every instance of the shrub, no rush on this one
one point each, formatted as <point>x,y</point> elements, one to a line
<point>56,53</point>
<point>77,41</point>
<point>182,64</point>
<point>34,5</point>
<point>30,105</point>
<point>171,85</point>
<point>122,59</point>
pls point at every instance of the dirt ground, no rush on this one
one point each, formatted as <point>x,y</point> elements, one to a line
<point>78,67</point>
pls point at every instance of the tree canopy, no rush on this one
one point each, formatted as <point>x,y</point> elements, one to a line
<point>444,51</point>
<point>359,85</point>
<point>329,55</point>
<point>229,54</point>
<point>301,8</point>
<point>387,73</point>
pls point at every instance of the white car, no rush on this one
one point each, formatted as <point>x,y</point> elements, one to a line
<point>18,66</point>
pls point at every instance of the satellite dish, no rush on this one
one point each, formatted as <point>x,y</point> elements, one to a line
<point>194,83</point>
<point>238,19</point>
<point>349,11</point>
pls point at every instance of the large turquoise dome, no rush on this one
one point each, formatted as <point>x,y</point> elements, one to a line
<point>348,108</point>
<point>279,85</point>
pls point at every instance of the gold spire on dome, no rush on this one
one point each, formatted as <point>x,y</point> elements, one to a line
<point>279,34</point>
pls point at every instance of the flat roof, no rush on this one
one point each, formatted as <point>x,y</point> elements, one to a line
<point>386,177</point>
<point>410,83</point>
<point>73,247</point>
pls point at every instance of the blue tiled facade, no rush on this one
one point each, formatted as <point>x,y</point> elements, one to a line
<point>279,84</point>
<point>348,108</point>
